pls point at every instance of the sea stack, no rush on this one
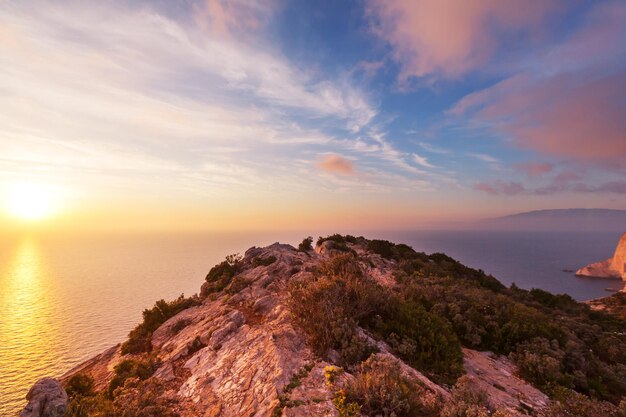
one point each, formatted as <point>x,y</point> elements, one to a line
<point>614,267</point>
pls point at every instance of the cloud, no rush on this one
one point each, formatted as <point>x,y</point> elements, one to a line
<point>448,38</point>
<point>433,149</point>
<point>483,157</point>
<point>559,116</point>
<point>534,169</point>
<point>119,95</point>
<point>223,17</point>
<point>570,102</point>
<point>420,160</point>
<point>336,164</point>
<point>500,188</point>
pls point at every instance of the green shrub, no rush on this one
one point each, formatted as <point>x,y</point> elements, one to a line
<point>382,247</point>
<point>344,407</point>
<point>139,339</point>
<point>320,309</point>
<point>339,243</point>
<point>380,389</point>
<point>237,284</point>
<point>553,340</point>
<point>467,401</point>
<point>129,368</point>
<point>330,307</point>
<point>424,340</point>
<point>180,325</point>
<point>258,261</point>
<point>571,403</point>
<point>139,398</point>
<point>306,245</point>
<point>221,274</point>
<point>80,385</point>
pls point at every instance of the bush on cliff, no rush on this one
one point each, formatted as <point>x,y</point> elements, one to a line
<point>141,369</point>
<point>554,340</point>
<point>380,389</point>
<point>135,398</point>
<point>341,298</point>
<point>306,245</point>
<point>259,261</point>
<point>424,340</point>
<point>80,385</point>
<point>329,307</point>
<point>222,274</point>
<point>139,339</point>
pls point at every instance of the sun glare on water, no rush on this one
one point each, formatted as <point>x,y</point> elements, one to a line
<point>31,201</point>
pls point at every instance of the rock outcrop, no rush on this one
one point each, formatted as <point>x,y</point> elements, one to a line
<point>614,267</point>
<point>46,398</point>
<point>238,353</point>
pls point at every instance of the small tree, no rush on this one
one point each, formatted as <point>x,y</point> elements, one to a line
<point>306,244</point>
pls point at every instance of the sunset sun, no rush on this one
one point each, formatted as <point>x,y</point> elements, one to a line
<point>31,201</point>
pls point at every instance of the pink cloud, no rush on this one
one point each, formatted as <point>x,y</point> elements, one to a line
<point>500,188</point>
<point>451,37</point>
<point>565,177</point>
<point>336,164</point>
<point>222,17</point>
<point>572,104</point>
<point>534,169</point>
<point>561,116</point>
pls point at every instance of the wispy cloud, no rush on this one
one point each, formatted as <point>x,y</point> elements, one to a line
<point>157,95</point>
<point>448,38</point>
<point>420,160</point>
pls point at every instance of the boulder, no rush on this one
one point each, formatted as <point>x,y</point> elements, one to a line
<point>46,398</point>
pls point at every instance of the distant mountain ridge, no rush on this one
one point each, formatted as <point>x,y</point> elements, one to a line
<point>575,219</point>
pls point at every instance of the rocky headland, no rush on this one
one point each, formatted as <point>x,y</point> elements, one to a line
<point>352,327</point>
<point>614,267</point>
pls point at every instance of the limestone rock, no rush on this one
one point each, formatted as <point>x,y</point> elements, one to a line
<point>238,353</point>
<point>46,398</point>
<point>496,376</point>
<point>614,267</point>
<point>618,263</point>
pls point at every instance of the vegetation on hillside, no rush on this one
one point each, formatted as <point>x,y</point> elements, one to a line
<point>573,353</point>
<point>439,305</point>
<point>341,298</point>
<point>221,275</point>
<point>139,339</point>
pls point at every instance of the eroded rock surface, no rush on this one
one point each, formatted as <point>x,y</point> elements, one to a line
<point>496,376</point>
<point>46,398</point>
<point>239,354</point>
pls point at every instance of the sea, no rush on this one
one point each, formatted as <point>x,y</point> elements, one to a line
<point>64,299</point>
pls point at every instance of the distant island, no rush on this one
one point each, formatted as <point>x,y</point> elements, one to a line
<point>351,327</point>
<point>575,219</point>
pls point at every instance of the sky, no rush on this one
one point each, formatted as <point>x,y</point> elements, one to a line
<point>278,114</point>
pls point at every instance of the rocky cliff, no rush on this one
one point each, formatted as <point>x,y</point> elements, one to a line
<point>614,267</point>
<point>239,349</point>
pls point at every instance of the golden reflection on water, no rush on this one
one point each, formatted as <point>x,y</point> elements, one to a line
<point>25,322</point>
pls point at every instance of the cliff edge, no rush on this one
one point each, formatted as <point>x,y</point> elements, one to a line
<point>352,327</point>
<point>614,267</point>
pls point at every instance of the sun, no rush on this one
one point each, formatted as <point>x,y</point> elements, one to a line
<point>31,201</point>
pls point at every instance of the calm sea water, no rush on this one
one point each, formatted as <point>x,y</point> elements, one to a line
<point>65,299</point>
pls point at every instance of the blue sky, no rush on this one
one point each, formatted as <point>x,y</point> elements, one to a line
<point>368,113</point>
